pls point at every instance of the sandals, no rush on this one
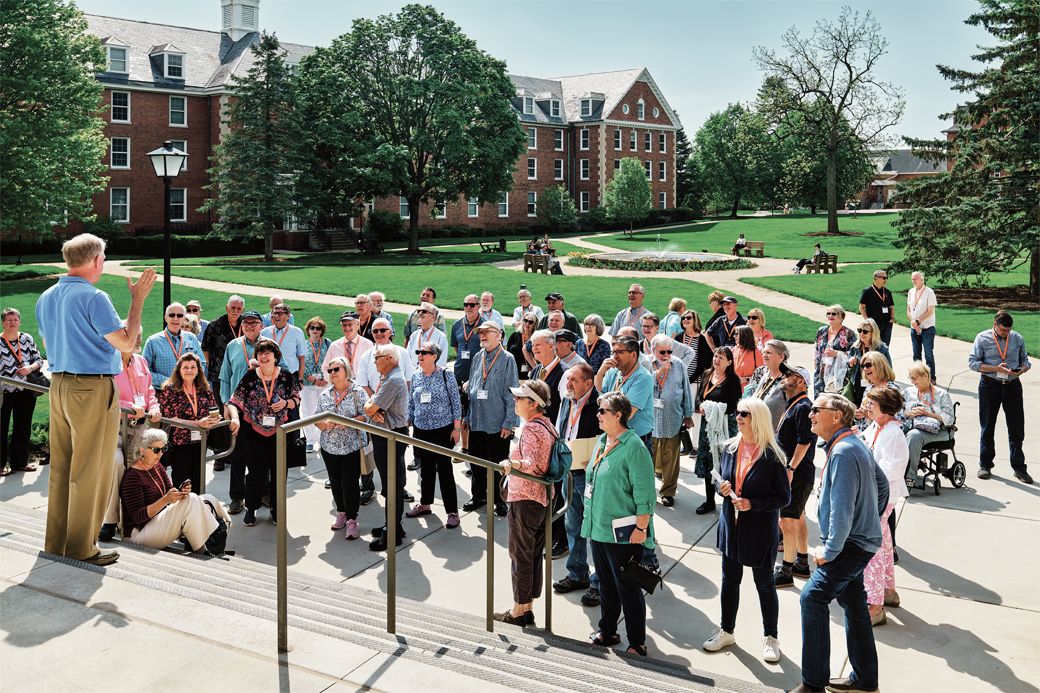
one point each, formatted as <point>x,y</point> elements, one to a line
<point>637,650</point>
<point>598,639</point>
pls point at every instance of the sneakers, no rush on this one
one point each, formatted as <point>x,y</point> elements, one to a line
<point>846,684</point>
<point>1024,477</point>
<point>718,640</point>
<point>352,530</point>
<point>770,649</point>
<point>250,519</point>
<point>236,506</point>
<point>107,533</point>
<point>418,510</point>
<point>782,578</point>
<point>591,597</point>
<point>569,584</point>
<point>983,473</point>
<point>340,522</point>
<point>366,497</point>
<point>559,550</point>
<point>453,521</point>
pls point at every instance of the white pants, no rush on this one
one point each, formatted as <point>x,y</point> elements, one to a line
<point>308,406</point>
<point>123,453</point>
<point>189,516</point>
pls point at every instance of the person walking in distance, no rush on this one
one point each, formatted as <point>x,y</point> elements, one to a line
<point>920,310</point>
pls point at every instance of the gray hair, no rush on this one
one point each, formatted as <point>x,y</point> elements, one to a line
<point>432,346</point>
<point>390,351</point>
<point>151,438</point>
<point>596,320</point>
<point>342,361</point>
<point>82,249</point>
<point>844,407</point>
<point>235,298</point>
<point>618,403</point>
<point>372,295</point>
<point>546,336</point>
<point>660,339</point>
<point>523,292</point>
<point>779,347</point>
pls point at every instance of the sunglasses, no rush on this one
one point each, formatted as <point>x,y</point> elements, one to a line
<point>751,317</point>
<point>862,330</point>
<point>175,315</point>
<point>380,330</point>
<point>665,353</point>
<point>337,369</point>
<point>817,410</point>
<point>470,305</point>
<point>882,276</point>
<point>601,410</point>
<point>314,329</point>
<point>867,366</point>
<point>280,312</point>
<point>831,315</point>
<point>193,310</point>
<point>743,414</point>
<point>423,352</point>
<point>421,312</point>
<point>688,317</point>
<point>529,322</point>
<point>158,451</point>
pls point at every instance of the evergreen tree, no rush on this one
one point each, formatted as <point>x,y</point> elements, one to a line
<point>628,197</point>
<point>253,172</point>
<point>556,209</point>
<point>983,216</point>
<point>685,175</point>
<point>52,141</point>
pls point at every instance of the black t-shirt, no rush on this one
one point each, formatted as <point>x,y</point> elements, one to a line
<point>876,301</point>
<point>795,430</point>
<point>724,333</point>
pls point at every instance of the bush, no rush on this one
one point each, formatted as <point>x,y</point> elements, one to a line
<point>385,226</point>
<point>580,260</point>
<point>104,227</point>
<point>183,246</point>
<point>596,219</point>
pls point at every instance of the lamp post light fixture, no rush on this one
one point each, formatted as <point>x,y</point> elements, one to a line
<point>167,161</point>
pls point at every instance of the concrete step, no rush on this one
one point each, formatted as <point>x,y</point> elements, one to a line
<point>528,660</point>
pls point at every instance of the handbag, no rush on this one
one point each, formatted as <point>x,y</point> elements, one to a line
<point>634,573</point>
<point>295,453</point>
<point>38,378</point>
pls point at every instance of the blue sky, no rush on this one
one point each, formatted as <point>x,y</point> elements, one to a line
<point>698,51</point>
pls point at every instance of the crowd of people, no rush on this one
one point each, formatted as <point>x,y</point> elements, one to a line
<point>623,397</point>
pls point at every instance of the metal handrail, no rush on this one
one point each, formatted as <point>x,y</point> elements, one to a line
<point>393,438</point>
<point>124,426</point>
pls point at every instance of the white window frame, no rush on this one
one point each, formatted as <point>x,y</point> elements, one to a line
<point>112,154</point>
<point>583,198</point>
<point>624,108</point>
<point>184,205</point>
<point>126,59</point>
<point>532,201</point>
<point>641,109</point>
<point>558,169</point>
<point>528,105</point>
<point>632,144</point>
<point>583,167</point>
<point>440,208</point>
<point>532,168</point>
<point>617,139</point>
<point>649,167</point>
<point>184,100</point>
<point>656,111</point>
<point>662,200</point>
<point>554,108</point>
<point>166,65</point>
<point>662,171</point>
<point>532,138</point>
<point>183,146</point>
<point>662,143</point>
<point>111,205</point>
<point>648,141</point>
<point>473,207</point>
<point>558,140</point>
<point>586,108</point>
<point>112,108</point>
<point>503,203</point>
<point>584,138</point>
<point>403,210</point>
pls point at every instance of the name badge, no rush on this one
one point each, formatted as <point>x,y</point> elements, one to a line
<point>884,310</point>
<point>658,403</point>
<point>425,397</point>
<point>482,394</point>
<point>588,491</point>
<point>268,422</point>
<point>139,401</point>
<point>196,435</point>
<point>1001,376</point>
<point>463,354</point>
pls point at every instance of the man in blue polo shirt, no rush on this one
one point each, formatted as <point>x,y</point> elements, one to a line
<point>83,336</point>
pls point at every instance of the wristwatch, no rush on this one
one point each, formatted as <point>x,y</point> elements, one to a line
<point>643,529</point>
<point>788,467</point>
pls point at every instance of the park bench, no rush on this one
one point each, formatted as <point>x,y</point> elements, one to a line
<point>823,264</point>
<point>498,246</point>
<point>536,263</point>
<point>759,248</point>
<point>371,245</point>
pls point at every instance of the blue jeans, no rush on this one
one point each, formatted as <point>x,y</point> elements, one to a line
<point>840,579</point>
<point>927,340</point>
<point>578,558</point>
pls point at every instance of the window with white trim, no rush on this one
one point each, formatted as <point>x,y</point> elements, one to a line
<point>119,205</point>
<point>183,146</point>
<point>648,142</point>
<point>440,208</point>
<point>178,111</point>
<point>528,105</point>
<point>648,165</point>
<point>174,65</point>
<point>532,138</point>
<point>656,111</point>
<point>119,153</point>
<point>503,204</point>
<point>584,200</point>
<point>640,110</point>
<point>632,140</point>
<point>473,207</point>
<point>662,143</point>
<point>532,204</point>
<point>532,168</point>
<point>662,200</point>
<point>118,59</point>
<point>178,204</point>
<point>624,108</point>
<point>584,167</point>
<point>617,139</point>
<point>662,171</point>
<point>402,208</point>
<point>120,111</point>
<point>584,138</point>
<point>586,108</point>
<point>558,169</point>
<point>558,140</point>
<point>554,109</point>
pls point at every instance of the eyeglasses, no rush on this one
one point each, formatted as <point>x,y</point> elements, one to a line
<point>665,353</point>
<point>831,315</point>
<point>336,369</point>
<point>158,451</point>
<point>882,276</point>
<point>817,410</point>
<point>743,414</point>
<point>601,410</point>
<point>615,352</point>
<point>193,310</point>
<point>864,330</point>
<point>470,305</point>
<point>380,330</point>
<point>280,312</point>
<point>175,315</point>
<point>423,352</point>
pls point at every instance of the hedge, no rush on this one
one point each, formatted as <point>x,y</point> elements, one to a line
<point>152,246</point>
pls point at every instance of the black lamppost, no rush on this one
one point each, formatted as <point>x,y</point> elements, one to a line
<point>168,162</point>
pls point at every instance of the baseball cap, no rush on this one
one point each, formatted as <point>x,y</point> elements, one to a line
<point>348,315</point>
<point>730,299</point>
<point>566,336</point>
<point>252,315</point>
<point>554,296</point>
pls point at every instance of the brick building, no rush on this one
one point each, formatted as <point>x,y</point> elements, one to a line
<point>893,168</point>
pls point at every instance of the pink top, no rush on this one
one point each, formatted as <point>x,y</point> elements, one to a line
<point>533,452</point>
<point>136,379</point>
<point>763,338</point>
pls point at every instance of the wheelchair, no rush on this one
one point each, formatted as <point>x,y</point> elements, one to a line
<point>935,460</point>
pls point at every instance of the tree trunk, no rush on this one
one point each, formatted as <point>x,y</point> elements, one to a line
<point>1034,272</point>
<point>812,209</point>
<point>832,182</point>
<point>736,206</point>
<point>413,226</point>
<point>269,245</point>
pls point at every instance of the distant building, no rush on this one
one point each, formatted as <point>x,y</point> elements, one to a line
<point>893,168</point>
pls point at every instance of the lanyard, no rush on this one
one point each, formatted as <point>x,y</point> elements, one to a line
<point>467,335</point>
<point>917,298</point>
<point>176,351</point>
<point>245,356</point>
<point>710,387</point>
<point>664,375</point>
<point>484,368</point>
<point>996,340</point>
<point>765,387</point>
<point>336,400</point>
<point>281,339</point>
<point>603,452</point>
<point>153,478</point>
<point>193,400</point>
<point>131,378</point>
<point>268,392</point>
<point>316,352</point>
<point>546,370</point>
<point>631,319</point>
<point>787,411</point>
<point>742,469</point>
<point>877,432</point>
<point>575,413</point>
<point>425,336</point>
<point>729,330</point>
<point>16,352</point>
<point>622,379</point>
<point>840,438</point>
<point>879,294</point>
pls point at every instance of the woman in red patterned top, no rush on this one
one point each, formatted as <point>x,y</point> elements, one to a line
<point>185,396</point>
<point>527,500</point>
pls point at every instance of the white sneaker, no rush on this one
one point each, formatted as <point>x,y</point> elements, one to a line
<point>718,640</point>
<point>771,649</point>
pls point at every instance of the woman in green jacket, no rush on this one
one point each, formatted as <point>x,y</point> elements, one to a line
<point>619,486</point>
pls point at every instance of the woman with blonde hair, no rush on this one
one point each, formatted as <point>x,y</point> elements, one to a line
<point>756,320</point>
<point>876,373</point>
<point>753,483</point>
<point>869,339</point>
<point>670,322</point>
<point>747,356</point>
<point>833,342</point>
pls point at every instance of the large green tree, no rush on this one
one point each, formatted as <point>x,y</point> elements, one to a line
<point>52,141</point>
<point>831,84</point>
<point>736,157</point>
<point>426,114</point>
<point>685,174</point>
<point>984,215</point>
<point>253,173</point>
<point>556,209</point>
<point>628,197</point>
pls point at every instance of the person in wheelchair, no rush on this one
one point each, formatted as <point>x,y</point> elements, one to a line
<point>928,414</point>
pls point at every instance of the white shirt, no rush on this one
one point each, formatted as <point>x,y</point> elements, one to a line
<point>366,374</point>
<point>891,453</point>
<point>572,360</point>
<point>518,314</point>
<point>418,337</point>
<point>919,302</point>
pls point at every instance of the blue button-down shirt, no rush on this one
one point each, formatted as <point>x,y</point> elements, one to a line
<point>236,364</point>
<point>496,413</point>
<point>985,351</point>
<point>291,341</point>
<point>73,318</point>
<point>162,358</point>
<point>444,405</point>
<point>639,388</point>
<point>676,400</point>
<point>203,324</point>
<point>266,319</point>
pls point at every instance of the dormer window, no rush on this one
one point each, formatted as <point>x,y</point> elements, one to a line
<point>586,107</point>
<point>640,110</point>
<point>118,59</point>
<point>174,66</point>
<point>528,105</point>
<point>554,108</point>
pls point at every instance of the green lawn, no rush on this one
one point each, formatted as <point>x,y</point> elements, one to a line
<point>402,283</point>
<point>10,273</point>
<point>952,321</point>
<point>784,237</point>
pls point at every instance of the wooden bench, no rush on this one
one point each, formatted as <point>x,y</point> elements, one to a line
<point>371,245</point>
<point>488,247</point>
<point>759,248</point>
<point>823,264</point>
<point>536,263</point>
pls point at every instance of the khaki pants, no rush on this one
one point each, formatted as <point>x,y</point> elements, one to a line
<point>666,461</point>
<point>189,516</point>
<point>84,428</point>
<point>125,452</point>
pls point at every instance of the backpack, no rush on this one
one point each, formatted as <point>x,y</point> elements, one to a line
<point>559,459</point>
